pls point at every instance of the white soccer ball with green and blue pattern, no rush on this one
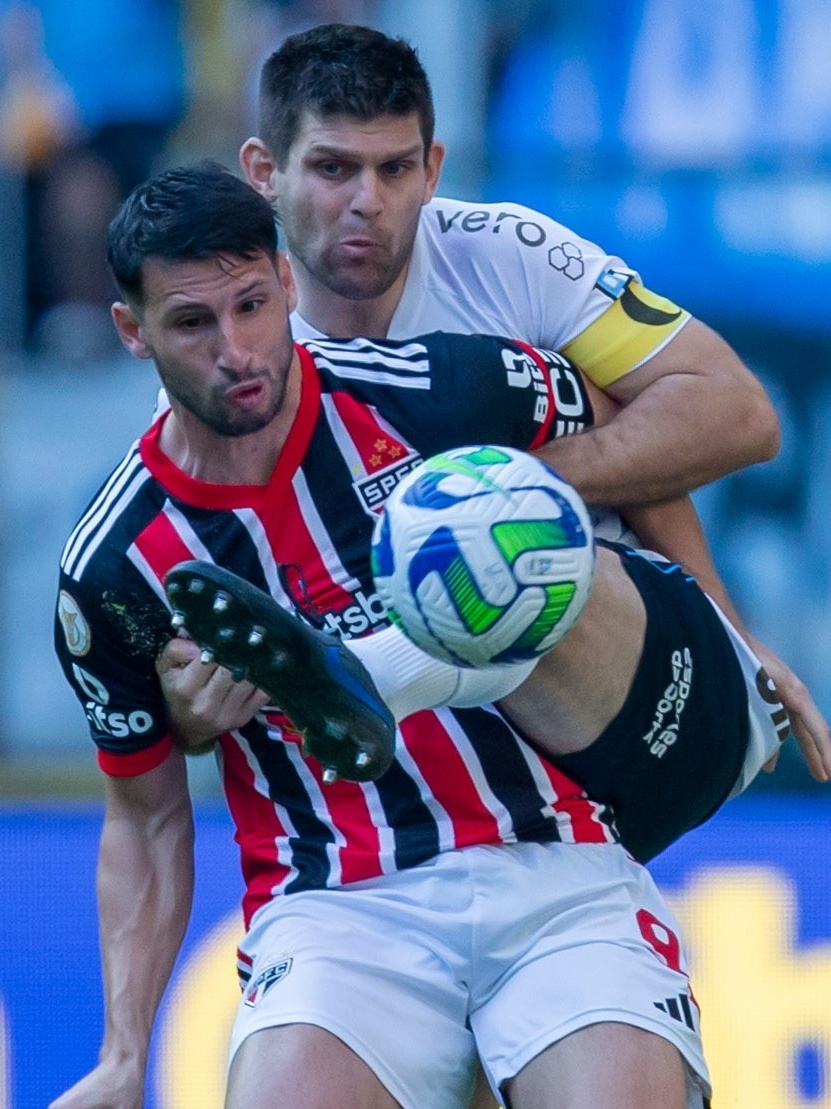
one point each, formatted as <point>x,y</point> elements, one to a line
<point>484,556</point>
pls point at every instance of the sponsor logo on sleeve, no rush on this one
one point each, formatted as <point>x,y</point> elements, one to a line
<point>568,259</point>
<point>612,283</point>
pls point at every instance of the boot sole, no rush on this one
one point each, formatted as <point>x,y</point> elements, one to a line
<point>315,680</point>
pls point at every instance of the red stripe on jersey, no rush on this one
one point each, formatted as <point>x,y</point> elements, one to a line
<point>161,546</point>
<point>542,434</point>
<point>377,446</point>
<point>349,814</point>
<point>258,829</point>
<point>443,768</point>
<point>574,804</point>
<point>293,544</point>
<point>133,763</point>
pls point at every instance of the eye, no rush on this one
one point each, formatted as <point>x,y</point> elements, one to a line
<point>397,168</point>
<point>188,323</point>
<point>331,169</point>
<point>252,304</point>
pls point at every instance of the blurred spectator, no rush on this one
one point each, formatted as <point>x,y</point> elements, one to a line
<point>90,98</point>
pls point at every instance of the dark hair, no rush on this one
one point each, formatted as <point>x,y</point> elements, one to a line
<point>187,213</point>
<point>340,69</point>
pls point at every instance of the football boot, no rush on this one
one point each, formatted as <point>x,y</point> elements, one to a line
<point>313,678</point>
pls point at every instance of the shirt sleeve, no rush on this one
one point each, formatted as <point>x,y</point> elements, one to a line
<point>515,271</point>
<point>485,389</point>
<point>106,643</point>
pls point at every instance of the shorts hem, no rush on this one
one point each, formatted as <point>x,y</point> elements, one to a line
<point>385,1076</point>
<point>697,1073</point>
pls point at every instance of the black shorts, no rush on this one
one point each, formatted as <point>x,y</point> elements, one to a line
<point>675,750</point>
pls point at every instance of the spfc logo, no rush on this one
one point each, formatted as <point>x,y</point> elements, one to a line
<point>374,489</point>
<point>265,980</point>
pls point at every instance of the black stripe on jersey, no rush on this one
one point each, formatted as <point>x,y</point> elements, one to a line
<point>309,846</point>
<point>417,836</point>
<point>228,540</point>
<point>393,362</point>
<point>508,774</point>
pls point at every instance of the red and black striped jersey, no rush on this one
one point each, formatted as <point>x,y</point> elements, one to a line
<point>369,412</point>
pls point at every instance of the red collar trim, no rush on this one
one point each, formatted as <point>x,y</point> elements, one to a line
<point>218,495</point>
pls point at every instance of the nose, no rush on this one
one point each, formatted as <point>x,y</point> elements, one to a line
<point>233,353</point>
<point>366,199</point>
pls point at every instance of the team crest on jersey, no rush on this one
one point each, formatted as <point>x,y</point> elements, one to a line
<point>75,628</point>
<point>373,490</point>
<point>265,980</point>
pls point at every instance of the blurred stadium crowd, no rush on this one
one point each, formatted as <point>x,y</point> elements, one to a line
<point>693,140</point>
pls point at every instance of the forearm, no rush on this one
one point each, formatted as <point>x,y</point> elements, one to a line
<point>145,888</point>
<point>673,529</point>
<point>690,415</point>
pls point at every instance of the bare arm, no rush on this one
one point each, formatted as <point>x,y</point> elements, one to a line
<point>688,416</point>
<point>145,889</point>
<point>674,529</point>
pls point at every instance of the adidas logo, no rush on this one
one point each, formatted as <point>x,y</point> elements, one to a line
<point>678,1008</point>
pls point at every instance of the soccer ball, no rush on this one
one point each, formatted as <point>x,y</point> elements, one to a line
<point>484,556</point>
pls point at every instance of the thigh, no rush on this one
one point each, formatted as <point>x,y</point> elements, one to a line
<point>598,946</point>
<point>305,1067</point>
<point>604,1064</point>
<point>675,751</point>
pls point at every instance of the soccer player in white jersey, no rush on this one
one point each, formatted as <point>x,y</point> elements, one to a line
<point>469,898</point>
<point>346,152</point>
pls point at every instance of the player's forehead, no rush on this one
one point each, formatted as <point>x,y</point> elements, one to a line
<point>169,284</point>
<point>380,139</point>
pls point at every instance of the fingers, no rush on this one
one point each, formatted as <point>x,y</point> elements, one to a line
<point>808,726</point>
<point>203,700</point>
<point>175,654</point>
<point>812,734</point>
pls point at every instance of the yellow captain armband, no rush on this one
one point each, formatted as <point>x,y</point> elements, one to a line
<point>635,326</point>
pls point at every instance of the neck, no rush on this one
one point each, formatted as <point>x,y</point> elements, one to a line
<point>205,455</point>
<point>341,317</point>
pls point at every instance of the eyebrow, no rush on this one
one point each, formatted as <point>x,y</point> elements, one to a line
<point>327,150</point>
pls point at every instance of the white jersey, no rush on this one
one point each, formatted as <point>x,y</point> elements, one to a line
<point>503,269</point>
<point>500,269</point>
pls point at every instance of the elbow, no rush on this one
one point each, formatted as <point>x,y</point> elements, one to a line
<point>768,433</point>
<point>755,428</point>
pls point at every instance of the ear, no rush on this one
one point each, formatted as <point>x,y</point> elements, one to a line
<point>435,160</point>
<point>287,280</point>
<point>128,327</point>
<point>258,165</point>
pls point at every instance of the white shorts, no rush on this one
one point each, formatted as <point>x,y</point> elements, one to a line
<point>498,951</point>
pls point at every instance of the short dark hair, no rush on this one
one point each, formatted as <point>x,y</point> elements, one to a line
<point>341,69</point>
<point>183,214</point>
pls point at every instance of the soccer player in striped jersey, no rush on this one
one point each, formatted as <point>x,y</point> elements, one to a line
<point>470,899</point>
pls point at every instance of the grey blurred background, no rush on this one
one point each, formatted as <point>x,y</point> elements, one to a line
<point>692,139</point>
